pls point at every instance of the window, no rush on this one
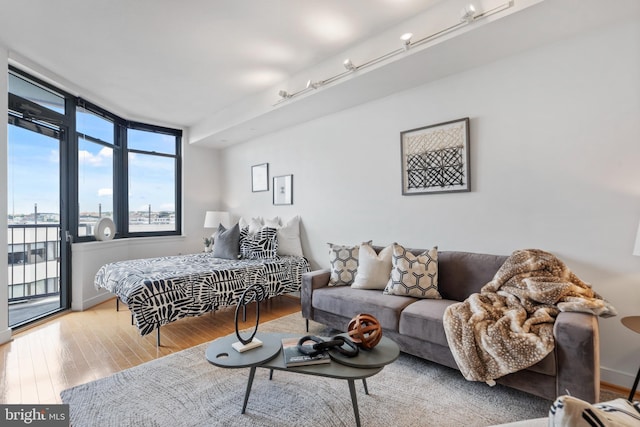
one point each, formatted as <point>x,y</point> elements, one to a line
<point>127,171</point>
<point>143,199</point>
<point>95,169</point>
<point>153,174</point>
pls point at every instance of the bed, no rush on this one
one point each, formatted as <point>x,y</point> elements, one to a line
<point>162,290</point>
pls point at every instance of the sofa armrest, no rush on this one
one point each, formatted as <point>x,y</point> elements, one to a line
<point>310,281</point>
<point>577,349</point>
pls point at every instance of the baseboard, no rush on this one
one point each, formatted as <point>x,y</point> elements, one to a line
<point>88,303</point>
<point>5,336</point>
<point>617,380</point>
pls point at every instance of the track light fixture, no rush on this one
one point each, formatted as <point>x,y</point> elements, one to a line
<point>313,85</point>
<point>467,16</point>
<point>349,65</point>
<point>468,13</point>
<point>406,40</point>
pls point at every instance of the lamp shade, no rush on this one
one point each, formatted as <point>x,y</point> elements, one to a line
<point>636,248</point>
<point>213,219</point>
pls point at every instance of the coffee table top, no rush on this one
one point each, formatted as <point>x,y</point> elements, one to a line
<point>366,364</point>
<point>220,352</point>
<point>387,351</point>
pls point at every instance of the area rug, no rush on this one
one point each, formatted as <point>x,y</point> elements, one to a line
<point>183,389</point>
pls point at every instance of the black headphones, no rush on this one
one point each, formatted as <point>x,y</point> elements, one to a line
<point>321,345</point>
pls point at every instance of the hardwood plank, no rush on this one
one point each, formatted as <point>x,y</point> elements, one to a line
<point>78,347</point>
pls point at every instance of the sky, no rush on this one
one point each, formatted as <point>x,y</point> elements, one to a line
<point>34,167</point>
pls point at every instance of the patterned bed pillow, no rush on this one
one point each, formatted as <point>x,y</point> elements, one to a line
<point>344,264</point>
<point>226,242</point>
<point>263,244</point>
<point>414,276</point>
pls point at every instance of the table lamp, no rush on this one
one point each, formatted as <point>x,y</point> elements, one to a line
<point>212,219</point>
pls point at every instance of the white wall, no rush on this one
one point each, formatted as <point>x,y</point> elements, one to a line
<point>554,165</point>
<point>201,192</point>
<point>5,332</point>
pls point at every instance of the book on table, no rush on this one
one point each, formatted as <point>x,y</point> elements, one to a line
<point>294,357</point>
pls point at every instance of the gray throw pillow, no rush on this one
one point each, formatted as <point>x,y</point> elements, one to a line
<point>226,243</point>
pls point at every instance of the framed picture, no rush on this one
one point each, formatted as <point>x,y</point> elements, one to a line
<point>435,159</point>
<point>283,190</point>
<point>260,177</point>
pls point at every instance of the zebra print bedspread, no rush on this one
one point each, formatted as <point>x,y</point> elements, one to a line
<point>161,290</point>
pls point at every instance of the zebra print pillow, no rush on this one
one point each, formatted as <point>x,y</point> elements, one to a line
<point>263,244</point>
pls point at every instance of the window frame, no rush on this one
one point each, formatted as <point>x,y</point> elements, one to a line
<point>120,164</point>
<point>178,175</point>
<point>121,172</point>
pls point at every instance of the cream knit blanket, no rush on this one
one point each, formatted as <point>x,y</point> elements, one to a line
<point>508,326</point>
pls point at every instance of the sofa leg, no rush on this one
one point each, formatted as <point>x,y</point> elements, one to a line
<point>306,321</point>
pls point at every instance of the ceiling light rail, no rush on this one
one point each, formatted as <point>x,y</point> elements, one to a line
<point>467,17</point>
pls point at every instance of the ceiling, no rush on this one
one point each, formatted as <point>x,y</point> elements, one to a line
<point>215,67</point>
<point>175,62</point>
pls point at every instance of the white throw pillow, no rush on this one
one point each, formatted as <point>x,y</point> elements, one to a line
<point>374,270</point>
<point>272,222</point>
<point>289,238</point>
<point>254,224</point>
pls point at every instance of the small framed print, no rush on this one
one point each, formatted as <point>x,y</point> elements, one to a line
<point>283,190</point>
<point>260,177</point>
<point>435,159</point>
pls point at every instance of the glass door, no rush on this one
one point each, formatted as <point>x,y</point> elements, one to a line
<point>37,256</point>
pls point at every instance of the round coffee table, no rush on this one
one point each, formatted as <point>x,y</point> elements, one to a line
<point>366,364</point>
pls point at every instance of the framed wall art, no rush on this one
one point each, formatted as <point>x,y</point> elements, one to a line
<point>435,159</point>
<point>260,177</point>
<point>283,190</point>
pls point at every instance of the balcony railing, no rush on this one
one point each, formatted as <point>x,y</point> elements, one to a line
<point>34,261</point>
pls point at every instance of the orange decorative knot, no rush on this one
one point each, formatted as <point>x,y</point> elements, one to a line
<point>365,331</point>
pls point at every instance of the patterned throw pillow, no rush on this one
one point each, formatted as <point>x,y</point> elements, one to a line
<point>414,276</point>
<point>571,411</point>
<point>344,264</point>
<point>263,244</point>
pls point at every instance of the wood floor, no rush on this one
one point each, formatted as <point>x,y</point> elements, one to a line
<point>77,347</point>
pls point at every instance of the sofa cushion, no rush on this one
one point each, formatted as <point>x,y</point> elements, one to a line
<point>423,320</point>
<point>344,264</point>
<point>414,275</point>
<point>347,302</point>
<point>374,269</point>
<point>462,273</point>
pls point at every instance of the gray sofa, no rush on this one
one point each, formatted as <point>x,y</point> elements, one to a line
<point>416,324</point>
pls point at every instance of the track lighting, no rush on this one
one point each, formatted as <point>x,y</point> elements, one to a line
<point>313,85</point>
<point>349,65</point>
<point>406,40</point>
<point>468,13</point>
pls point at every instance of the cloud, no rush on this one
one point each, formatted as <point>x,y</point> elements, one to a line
<point>86,157</point>
<point>105,192</point>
